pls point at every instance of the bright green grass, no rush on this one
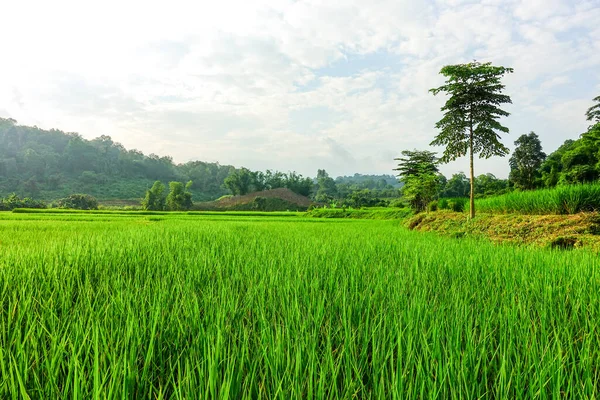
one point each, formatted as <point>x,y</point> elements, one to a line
<point>570,199</point>
<point>192,307</point>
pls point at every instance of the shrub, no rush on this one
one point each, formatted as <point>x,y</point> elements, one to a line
<point>13,201</point>
<point>457,204</point>
<point>79,202</point>
<point>398,203</point>
<point>432,206</point>
<point>443,204</point>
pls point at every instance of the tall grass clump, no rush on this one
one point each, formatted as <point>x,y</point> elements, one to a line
<point>456,204</point>
<point>569,199</point>
<point>185,307</point>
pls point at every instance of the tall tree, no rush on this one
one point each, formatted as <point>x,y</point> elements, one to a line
<point>526,161</point>
<point>470,124</point>
<point>593,113</point>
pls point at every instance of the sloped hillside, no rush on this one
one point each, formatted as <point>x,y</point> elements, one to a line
<point>555,231</point>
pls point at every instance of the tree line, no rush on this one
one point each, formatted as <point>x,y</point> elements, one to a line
<point>51,164</point>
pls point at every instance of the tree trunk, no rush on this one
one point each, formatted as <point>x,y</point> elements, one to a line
<point>472,198</point>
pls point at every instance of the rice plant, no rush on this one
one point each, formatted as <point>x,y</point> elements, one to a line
<point>184,307</point>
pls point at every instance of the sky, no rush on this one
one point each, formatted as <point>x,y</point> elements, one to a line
<point>292,85</point>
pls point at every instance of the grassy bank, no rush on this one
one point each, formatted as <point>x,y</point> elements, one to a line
<point>558,231</point>
<point>571,199</point>
<point>366,213</point>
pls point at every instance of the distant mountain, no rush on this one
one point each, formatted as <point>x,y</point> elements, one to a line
<point>377,182</point>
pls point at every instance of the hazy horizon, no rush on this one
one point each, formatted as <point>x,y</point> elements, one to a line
<point>293,85</point>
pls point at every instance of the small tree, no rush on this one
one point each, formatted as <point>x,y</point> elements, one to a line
<point>421,189</point>
<point>526,161</point>
<point>470,123</point>
<point>155,198</point>
<point>179,198</point>
<point>326,187</point>
<point>418,170</point>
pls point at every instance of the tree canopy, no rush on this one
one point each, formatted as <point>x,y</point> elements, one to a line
<point>593,113</point>
<point>525,162</point>
<point>470,123</point>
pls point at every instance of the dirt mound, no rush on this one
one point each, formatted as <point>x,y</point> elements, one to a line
<point>281,193</point>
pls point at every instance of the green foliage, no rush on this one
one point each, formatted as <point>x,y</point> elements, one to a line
<point>443,204</point>
<point>239,182</point>
<point>419,190</point>
<point>432,206</point>
<point>457,186</point>
<point>363,198</point>
<point>488,185</point>
<point>416,162</point>
<point>470,123</point>
<point>369,213</point>
<point>526,162</point>
<point>326,187</point>
<point>155,199</point>
<point>79,202</point>
<point>268,204</point>
<point>397,203</point>
<point>593,113</point>
<point>471,113</point>
<point>179,197</point>
<point>380,186</point>
<point>13,201</point>
<point>458,204</point>
<point>244,181</point>
<point>289,308</point>
<point>569,199</point>
<point>575,161</point>
<point>53,164</point>
<point>419,173</point>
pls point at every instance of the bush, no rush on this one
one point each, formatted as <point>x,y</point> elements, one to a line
<point>13,201</point>
<point>443,204</point>
<point>457,204</point>
<point>79,202</point>
<point>432,206</point>
<point>398,203</point>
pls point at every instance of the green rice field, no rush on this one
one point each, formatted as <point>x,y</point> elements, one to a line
<point>130,306</point>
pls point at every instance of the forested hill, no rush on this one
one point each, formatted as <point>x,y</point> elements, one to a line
<point>53,164</point>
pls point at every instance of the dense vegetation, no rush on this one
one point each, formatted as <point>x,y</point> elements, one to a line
<point>50,165</point>
<point>169,306</point>
<point>566,199</point>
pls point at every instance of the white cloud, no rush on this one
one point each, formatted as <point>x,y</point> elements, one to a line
<point>221,80</point>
